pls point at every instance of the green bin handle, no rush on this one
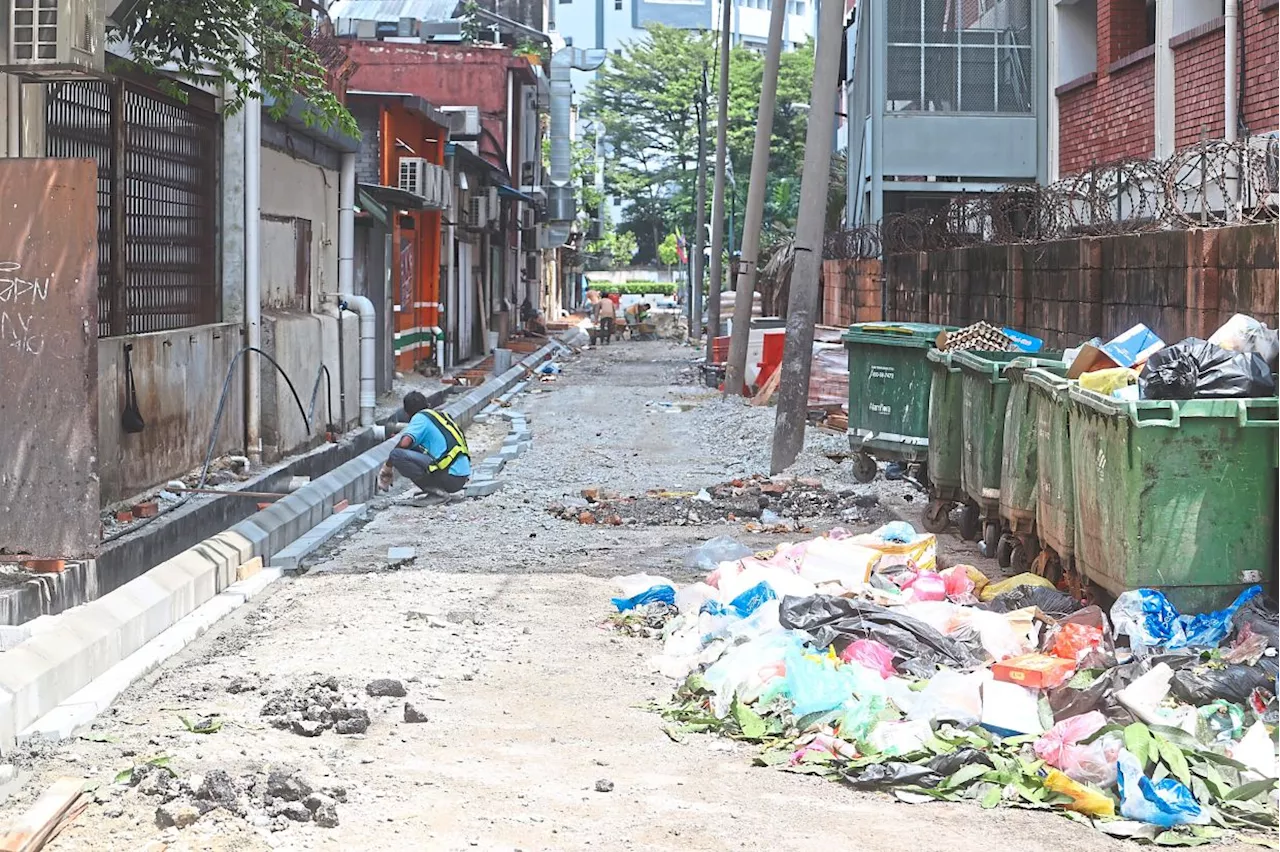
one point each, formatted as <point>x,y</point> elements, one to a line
<point>1135,414</point>
<point>1247,406</point>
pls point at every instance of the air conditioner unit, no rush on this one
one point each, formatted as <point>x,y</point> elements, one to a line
<point>413,175</point>
<point>471,120</point>
<point>528,218</point>
<point>55,39</point>
<point>440,30</point>
<point>477,212</point>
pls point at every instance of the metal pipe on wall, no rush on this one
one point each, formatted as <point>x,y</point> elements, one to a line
<point>253,275</point>
<point>346,290</point>
<point>1230,76</point>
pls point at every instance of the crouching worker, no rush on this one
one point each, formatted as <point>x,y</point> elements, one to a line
<point>431,453</point>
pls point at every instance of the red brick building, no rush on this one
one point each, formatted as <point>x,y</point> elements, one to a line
<point>1143,78</point>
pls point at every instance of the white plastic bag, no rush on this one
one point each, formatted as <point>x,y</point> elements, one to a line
<point>1243,333</point>
<point>951,697</point>
<point>635,584</point>
<point>709,554</point>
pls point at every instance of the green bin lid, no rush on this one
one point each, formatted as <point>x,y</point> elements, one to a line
<point>917,335</point>
<point>993,364</point>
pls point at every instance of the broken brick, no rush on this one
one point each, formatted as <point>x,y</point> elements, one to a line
<point>586,518</point>
<point>124,516</point>
<point>146,510</point>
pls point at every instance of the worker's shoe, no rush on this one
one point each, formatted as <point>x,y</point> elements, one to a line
<point>434,497</point>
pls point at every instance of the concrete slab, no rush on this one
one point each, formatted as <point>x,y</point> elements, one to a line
<point>290,559</point>
<point>483,489</point>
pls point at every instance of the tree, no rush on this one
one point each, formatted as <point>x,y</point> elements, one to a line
<point>255,47</point>
<point>668,251</point>
<point>647,98</point>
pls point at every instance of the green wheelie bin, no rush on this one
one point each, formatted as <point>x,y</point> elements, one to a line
<point>1019,466</point>
<point>984,399</point>
<point>1055,494</point>
<point>945,443</point>
<point>1178,496</point>
<point>889,393</point>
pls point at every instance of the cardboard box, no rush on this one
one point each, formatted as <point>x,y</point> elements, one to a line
<point>1035,671</point>
<point>1134,347</point>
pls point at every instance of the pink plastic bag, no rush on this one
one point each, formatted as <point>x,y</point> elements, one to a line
<point>958,584</point>
<point>1094,763</point>
<point>925,586</point>
<point>872,654</point>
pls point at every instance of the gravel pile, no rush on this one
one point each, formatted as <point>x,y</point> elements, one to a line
<point>320,707</point>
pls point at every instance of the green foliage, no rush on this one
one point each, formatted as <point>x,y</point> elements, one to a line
<point>668,254</point>
<point>648,98</point>
<point>204,39</point>
<point>637,288</point>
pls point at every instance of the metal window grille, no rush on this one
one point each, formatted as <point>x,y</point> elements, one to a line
<point>971,56</point>
<point>157,205</point>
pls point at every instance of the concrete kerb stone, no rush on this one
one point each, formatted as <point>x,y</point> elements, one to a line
<point>46,670</point>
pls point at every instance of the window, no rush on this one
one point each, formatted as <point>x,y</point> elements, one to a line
<point>617,5</point>
<point>565,2</point>
<point>1189,14</point>
<point>959,56</point>
<point>1131,27</point>
<point>1077,40</point>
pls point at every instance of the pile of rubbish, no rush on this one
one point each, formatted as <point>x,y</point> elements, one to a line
<point>852,657</point>
<point>778,504</point>
<point>1238,361</point>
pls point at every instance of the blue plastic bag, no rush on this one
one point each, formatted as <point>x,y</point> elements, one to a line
<point>658,594</point>
<point>1150,621</point>
<point>815,686</point>
<point>899,532</point>
<point>1166,803</point>
<point>749,601</point>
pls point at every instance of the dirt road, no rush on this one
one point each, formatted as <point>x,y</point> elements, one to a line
<point>494,631</point>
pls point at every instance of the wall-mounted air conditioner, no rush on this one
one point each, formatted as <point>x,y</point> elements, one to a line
<point>477,212</point>
<point>528,218</point>
<point>413,175</point>
<point>55,39</point>
<point>471,121</point>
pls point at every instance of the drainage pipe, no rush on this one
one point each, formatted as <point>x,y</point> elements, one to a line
<point>1230,76</point>
<point>253,275</point>
<point>347,299</point>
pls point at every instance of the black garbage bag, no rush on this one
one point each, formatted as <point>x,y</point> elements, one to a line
<point>895,773</point>
<point>1261,616</point>
<point>1201,685</point>
<point>1101,657</point>
<point>1050,601</point>
<point>1197,369</point>
<point>918,649</point>
<point>1067,701</point>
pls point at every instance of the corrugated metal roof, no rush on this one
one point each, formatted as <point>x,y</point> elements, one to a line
<point>393,10</point>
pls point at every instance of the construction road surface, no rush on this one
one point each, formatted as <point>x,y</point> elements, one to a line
<point>533,723</point>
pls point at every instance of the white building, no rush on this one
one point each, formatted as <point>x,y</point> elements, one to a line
<point>611,24</point>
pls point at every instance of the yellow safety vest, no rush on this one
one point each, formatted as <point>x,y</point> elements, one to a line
<point>455,441</point>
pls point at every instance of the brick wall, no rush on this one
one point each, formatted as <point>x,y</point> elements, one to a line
<point>369,157</point>
<point>1261,96</point>
<point>1197,84</point>
<point>851,292</point>
<point>1109,118</point>
<point>1180,283</point>
<point>1110,114</point>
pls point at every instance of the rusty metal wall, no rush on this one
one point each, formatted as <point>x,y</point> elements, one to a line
<point>157,200</point>
<point>48,358</point>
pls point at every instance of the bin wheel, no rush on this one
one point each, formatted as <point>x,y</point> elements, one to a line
<point>864,468</point>
<point>970,522</point>
<point>1005,550</point>
<point>937,516</point>
<point>991,537</point>
<point>1018,558</point>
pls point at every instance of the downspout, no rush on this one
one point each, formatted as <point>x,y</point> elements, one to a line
<point>1230,78</point>
<point>453,299</point>
<point>347,299</point>
<point>562,205</point>
<point>253,275</point>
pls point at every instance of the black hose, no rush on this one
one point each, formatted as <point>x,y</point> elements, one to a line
<point>323,372</point>
<point>213,436</point>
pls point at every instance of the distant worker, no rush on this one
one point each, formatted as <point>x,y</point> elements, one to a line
<point>431,453</point>
<point>606,317</point>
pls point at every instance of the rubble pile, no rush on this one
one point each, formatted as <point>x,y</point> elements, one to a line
<point>320,707</point>
<point>854,658</point>
<point>778,504</point>
<point>272,798</point>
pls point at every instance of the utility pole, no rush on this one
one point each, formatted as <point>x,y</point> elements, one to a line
<point>802,305</point>
<point>700,217</point>
<point>735,372</point>
<point>717,198</point>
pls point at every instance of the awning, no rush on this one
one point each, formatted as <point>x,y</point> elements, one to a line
<point>511,192</point>
<point>367,203</point>
<point>393,198</point>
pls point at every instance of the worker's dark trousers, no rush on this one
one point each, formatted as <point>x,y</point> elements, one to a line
<point>606,328</point>
<point>415,467</point>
